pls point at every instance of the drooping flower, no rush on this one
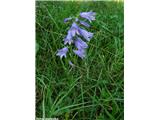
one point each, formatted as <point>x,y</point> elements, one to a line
<point>71,33</point>
<point>74,29</point>
<point>80,52</point>
<point>88,15</point>
<point>84,23</point>
<point>67,19</point>
<point>62,52</point>
<point>80,44</point>
<point>87,35</point>
<point>68,38</point>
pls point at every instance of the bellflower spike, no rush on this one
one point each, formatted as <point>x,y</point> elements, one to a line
<point>88,15</point>
<point>84,24</point>
<point>62,52</point>
<point>74,34</point>
<point>67,19</point>
<point>80,52</point>
<point>87,35</point>
<point>80,44</point>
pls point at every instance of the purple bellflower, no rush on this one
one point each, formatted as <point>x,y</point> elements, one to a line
<point>62,52</point>
<point>84,23</point>
<point>71,33</point>
<point>80,52</point>
<point>74,34</point>
<point>74,29</point>
<point>88,15</point>
<point>68,38</point>
<point>80,44</point>
<point>87,35</point>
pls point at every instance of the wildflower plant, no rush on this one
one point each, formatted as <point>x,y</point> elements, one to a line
<point>77,37</point>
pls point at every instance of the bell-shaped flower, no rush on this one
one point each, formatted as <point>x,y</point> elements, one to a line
<point>87,35</point>
<point>68,38</point>
<point>74,29</point>
<point>62,52</point>
<point>88,15</point>
<point>80,52</point>
<point>84,24</point>
<point>80,44</point>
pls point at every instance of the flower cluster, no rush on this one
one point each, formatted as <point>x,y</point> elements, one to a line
<point>76,34</point>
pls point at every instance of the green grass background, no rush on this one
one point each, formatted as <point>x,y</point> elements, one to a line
<point>93,90</point>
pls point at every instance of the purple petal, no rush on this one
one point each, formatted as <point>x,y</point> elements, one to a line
<point>68,38</point>
<point>71,33</point>
<point>80,52</point>
<point>84,23</point>
<point>80,44</point>
<point>62,52</point>
<point>74,29</point>
<point>87,35</point>
<point>88,15</point>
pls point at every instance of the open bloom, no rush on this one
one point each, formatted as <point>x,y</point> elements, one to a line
<point>88,15</point>
<point>62,52</point>
<point>80,52</point>
<point>68,38</point>
<point>87,35</point>
<point>71,33</point>
<point>80,44</point>
<point>74,29</point>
